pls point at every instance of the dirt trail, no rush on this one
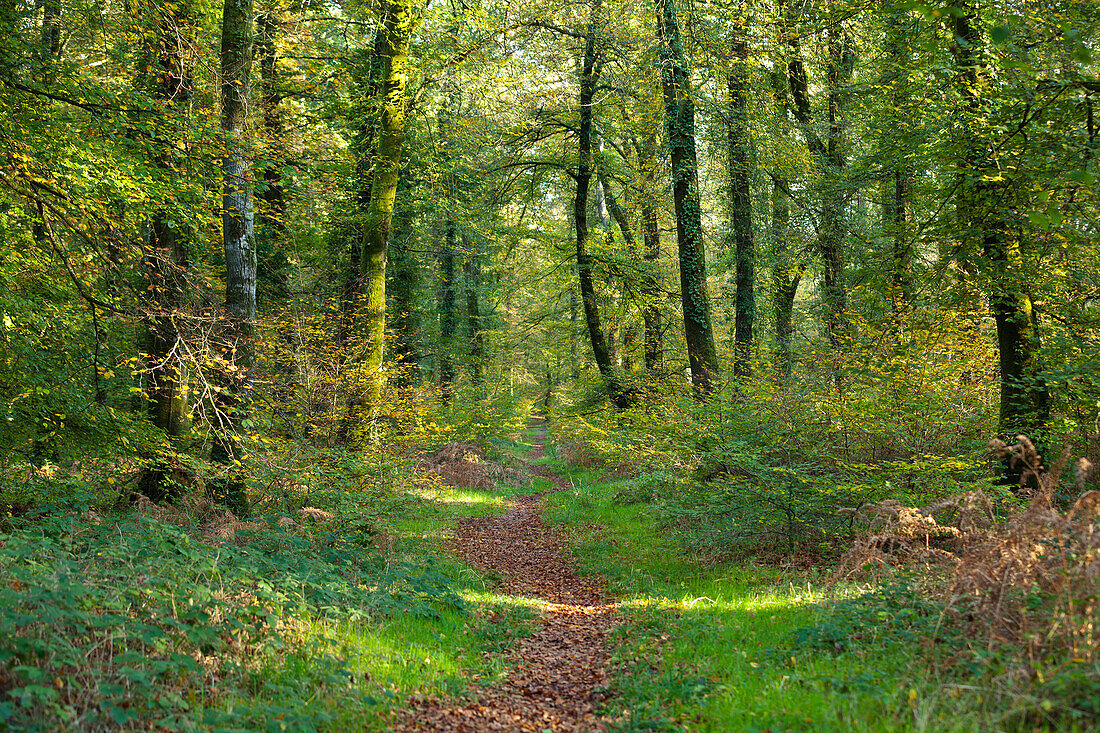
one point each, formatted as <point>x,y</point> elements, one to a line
<point>560,675</point>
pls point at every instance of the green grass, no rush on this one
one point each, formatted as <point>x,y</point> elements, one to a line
<point>117,619</point>
<point>739,646</point>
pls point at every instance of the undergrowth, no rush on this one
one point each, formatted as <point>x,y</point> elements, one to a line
<point>324,610</point>
<point>711,641</point>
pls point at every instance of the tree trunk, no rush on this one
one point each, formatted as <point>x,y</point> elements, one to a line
<point>472,270</point>
<point>829,157</point>
<point>680,130</point>
<point>786,271</point>
<point>51,39</point>
<point>234,403</point>
<point>651,242</point>
<point>600,350</point>
<point>447,313</point>
<point>368,78</point>
<point>399,21</point>
<point>273,218</point>
<point>404,284</point>
<point>898,182</point>
<point>627,330</point>
<point>741,205</point>
<point>982,211</point>
<point>165,263</point>
<point>785,278</point>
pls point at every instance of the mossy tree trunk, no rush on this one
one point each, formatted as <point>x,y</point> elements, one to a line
<point>680,133</point>
<point>399,20</point>
<point>367,79</point>
<point>984,207</point>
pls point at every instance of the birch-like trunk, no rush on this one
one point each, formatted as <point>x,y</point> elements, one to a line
<point>238,232</point>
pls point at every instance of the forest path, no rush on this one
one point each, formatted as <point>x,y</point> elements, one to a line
<point>559,675</point>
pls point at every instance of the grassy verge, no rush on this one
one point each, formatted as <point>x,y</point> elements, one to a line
<point>124,619</point>
<point>737,646</point>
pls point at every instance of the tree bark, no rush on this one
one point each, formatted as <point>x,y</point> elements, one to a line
<point>786,277</point>
<point>741,205</point>
<point>399,22</point>
<point>238,231</point>
<point>983,210</point>
<point>786,271</point>
<point>898,182</point>
<point>651,243</point>
<point>404,284</point>
<point>829,157</point>
<point>680,130</point>
<point>273,219</point>
<point>472,270</point>
<point>368,78</point>
<point>446,297</point>
<point>165,263</point>
<point>585,278</point>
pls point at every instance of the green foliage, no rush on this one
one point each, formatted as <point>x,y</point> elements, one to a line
<point>108,620</point>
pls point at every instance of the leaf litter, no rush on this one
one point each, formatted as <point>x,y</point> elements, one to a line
<point>559,676</point>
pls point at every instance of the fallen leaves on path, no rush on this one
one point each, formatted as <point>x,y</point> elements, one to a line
<point>560,676</point>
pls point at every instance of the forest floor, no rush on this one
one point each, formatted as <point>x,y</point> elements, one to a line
<point>559,677</point>
<point>533,588</point>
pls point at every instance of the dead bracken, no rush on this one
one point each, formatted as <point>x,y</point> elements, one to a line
<point>465,465</point>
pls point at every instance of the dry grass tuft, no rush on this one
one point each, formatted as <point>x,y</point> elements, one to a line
<point>576,454</point>
<point>212,522</point>
<point>313,514</point>
<point>466,466</point>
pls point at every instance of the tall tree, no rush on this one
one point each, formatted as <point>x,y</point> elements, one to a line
<point>680,133</point>
<point>651,243</point>
<point>590,72</point>
<point>165,259</point>
<point>273,220</point>
<point>787,269</point>
<point>238,233</point>
<point>367,80</point>
<point>983,206</point>
<point>446,298</point>
<point>830,161</point>
<point>399,19</point>
<point>897,180</point>
<point>471,270</point>
<point>740,176</point>
<point>402,289</point>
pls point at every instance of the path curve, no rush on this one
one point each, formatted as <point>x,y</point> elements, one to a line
<point>559,676</point>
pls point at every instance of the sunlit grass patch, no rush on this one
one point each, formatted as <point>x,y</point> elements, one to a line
<point>747,646</point>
